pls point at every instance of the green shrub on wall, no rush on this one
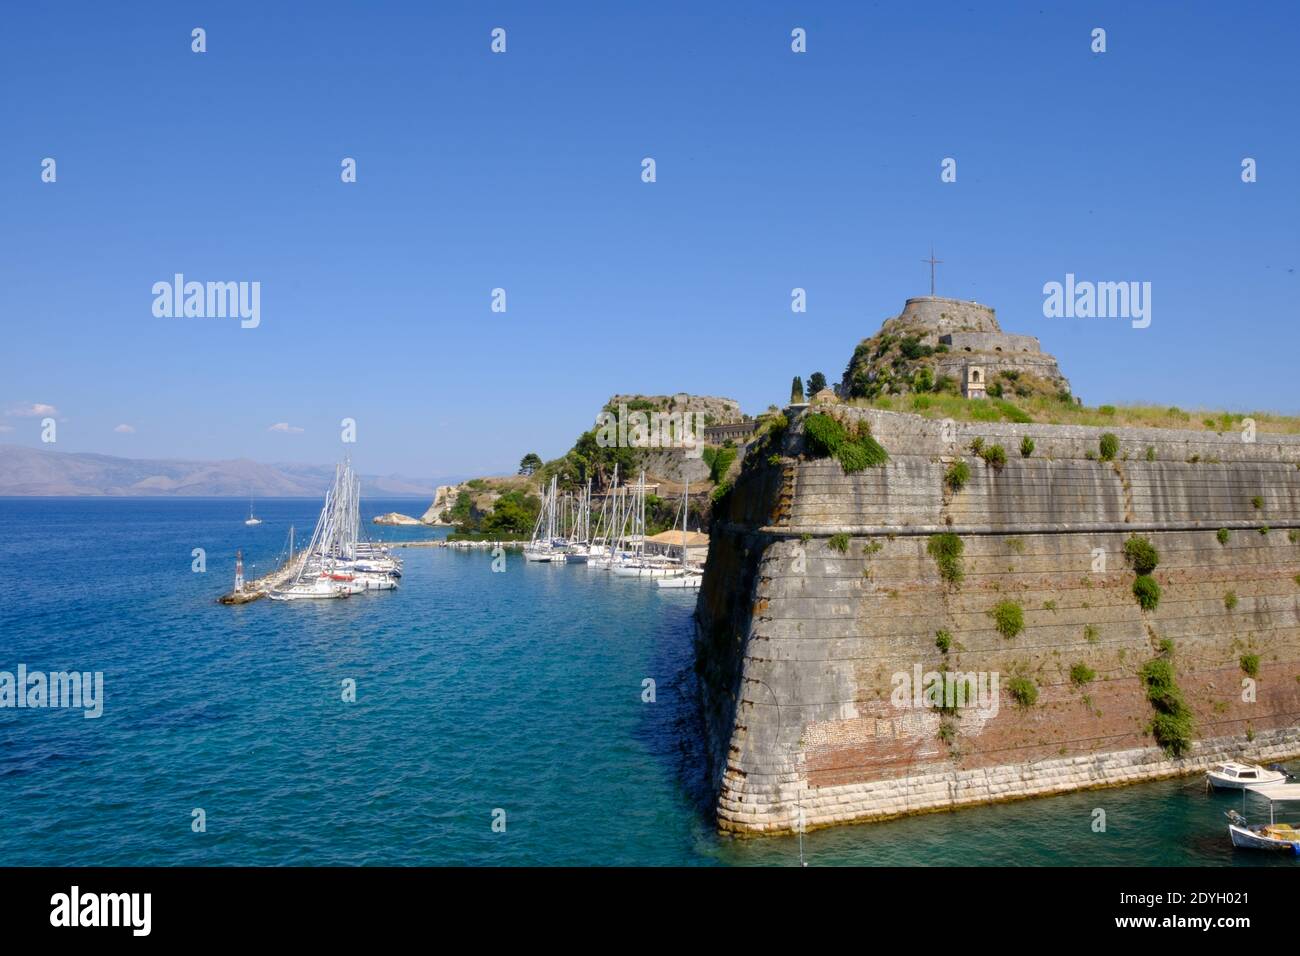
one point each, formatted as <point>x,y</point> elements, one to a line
<point>1108,446</point>
<point>1141,554</point>
<point>1008,618</point>
<point>1023,691</point>
<point>957,475</point>
<point>827,437</point>
<point>946,549</point>
<point>994,455</point>
<point>1147,592</point>
<point>1172,724</point>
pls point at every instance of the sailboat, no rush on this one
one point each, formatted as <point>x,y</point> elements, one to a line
<point>252,519</point>
<point>687,576</point>
<point>639,564</point>
<point>578,549</point>
<point>338,562</point>
<point>543,547</point>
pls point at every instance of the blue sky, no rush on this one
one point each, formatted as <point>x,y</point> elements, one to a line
<point>522,171</point>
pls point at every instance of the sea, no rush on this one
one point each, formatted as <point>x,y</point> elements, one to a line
<point>499,718</point>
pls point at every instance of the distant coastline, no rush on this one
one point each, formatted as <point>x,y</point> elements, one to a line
<point>47,473</point>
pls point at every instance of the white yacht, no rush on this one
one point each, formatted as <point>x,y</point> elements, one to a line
<point>1236,776</point>
<point>252,518</point>
<point>315,588</point>
<point>690,578</point>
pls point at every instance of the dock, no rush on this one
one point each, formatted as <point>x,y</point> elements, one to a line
<point>260,587</point>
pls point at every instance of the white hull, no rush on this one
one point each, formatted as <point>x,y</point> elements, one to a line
<point>1228,781</point>
<point>689,580</point>
<point>544,555</point>
<point>253,521</point>
<point>311,591</point>
<point>645,570</point>
<point>1259,838</point>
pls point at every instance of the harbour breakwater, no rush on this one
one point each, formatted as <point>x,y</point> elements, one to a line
<point>822,586</point>
<point>258,588</point>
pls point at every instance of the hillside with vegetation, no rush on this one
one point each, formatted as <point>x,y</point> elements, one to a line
<point>507,506</point>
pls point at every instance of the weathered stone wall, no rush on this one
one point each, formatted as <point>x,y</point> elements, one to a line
<point>944,316</point>
<point>1040,364</point>
<point>799,641</point>
<point>990,342</point>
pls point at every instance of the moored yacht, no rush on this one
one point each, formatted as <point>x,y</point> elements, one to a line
<point>1236,776</point>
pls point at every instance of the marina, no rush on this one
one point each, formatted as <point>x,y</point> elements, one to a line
<point>337,562</point>
<point>618,540</point>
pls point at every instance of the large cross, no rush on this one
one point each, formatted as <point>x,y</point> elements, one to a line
<point>933,261</point>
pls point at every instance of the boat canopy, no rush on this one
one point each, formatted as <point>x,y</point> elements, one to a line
<point>1276,792</point>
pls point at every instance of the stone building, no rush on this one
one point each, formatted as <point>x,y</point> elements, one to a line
<point>963,336</point>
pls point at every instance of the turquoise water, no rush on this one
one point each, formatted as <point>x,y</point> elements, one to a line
<point>476,691</point>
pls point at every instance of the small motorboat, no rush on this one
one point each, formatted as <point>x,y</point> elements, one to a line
<point>1266,836</point>
<point>1235,776</point>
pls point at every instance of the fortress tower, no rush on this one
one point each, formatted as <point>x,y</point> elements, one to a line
<point>950,337</point>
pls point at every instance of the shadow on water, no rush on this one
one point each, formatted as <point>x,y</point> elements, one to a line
<point>673,730</point>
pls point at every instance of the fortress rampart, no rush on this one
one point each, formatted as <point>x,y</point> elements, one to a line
<point>944,316</point>
<point>990,342</point>
<point>820,589</point>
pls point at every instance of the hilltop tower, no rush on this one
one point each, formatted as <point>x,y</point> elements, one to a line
<point>953,339</point>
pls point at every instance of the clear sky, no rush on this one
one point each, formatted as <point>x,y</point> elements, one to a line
<point>522,170</point>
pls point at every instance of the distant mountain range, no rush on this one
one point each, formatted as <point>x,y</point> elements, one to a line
<point>37,471</point>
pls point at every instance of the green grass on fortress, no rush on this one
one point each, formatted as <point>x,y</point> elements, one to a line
<point>1051,411</point>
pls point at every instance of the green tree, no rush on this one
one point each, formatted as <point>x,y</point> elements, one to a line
<point>796,391</point>
<point>588,459</point>
<point>513,514</point>
<point>529,463</point>
<point>816,382</point>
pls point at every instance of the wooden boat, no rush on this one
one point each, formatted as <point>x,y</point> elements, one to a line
<point>1267,836</point>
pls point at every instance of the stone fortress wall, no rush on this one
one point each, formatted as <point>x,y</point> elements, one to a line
<point>798,641</point>
<point>990,342</point>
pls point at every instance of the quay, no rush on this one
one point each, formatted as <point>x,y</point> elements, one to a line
<point>246,592</point>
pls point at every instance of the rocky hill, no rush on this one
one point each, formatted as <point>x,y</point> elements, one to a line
<point>933,342</point>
